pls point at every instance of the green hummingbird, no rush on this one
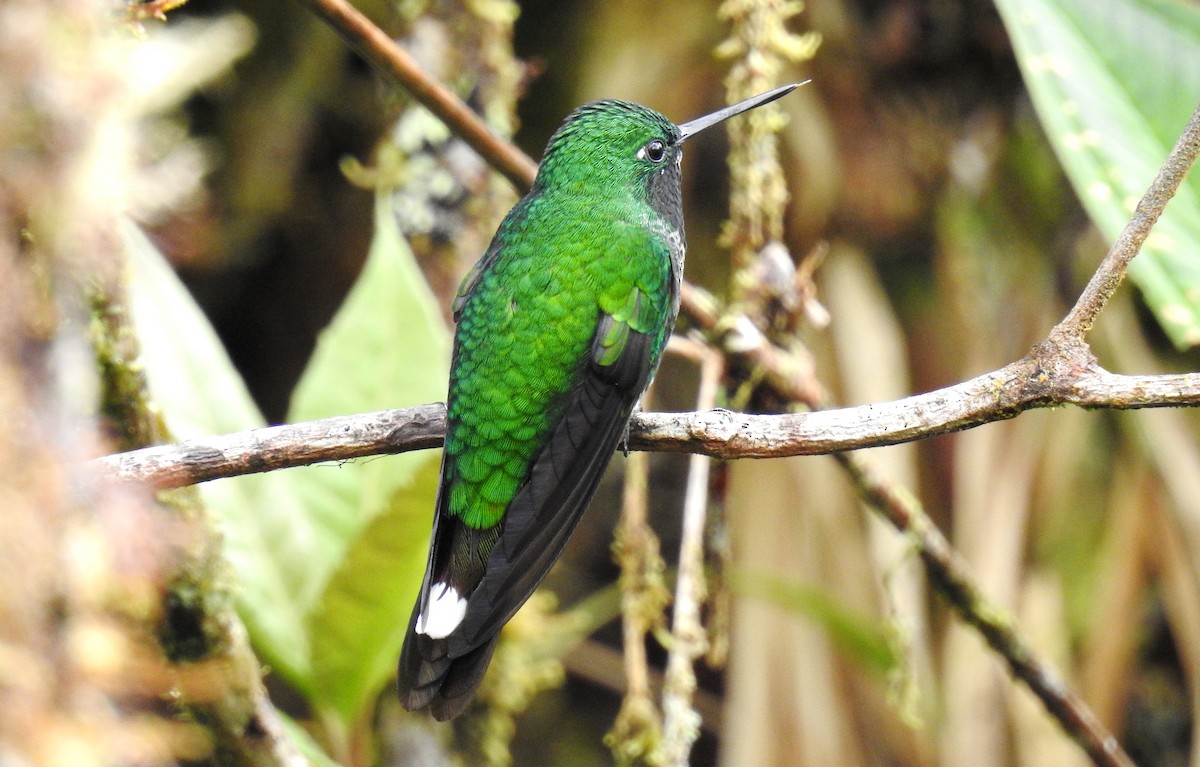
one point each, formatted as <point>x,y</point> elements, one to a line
<point>560,327</point>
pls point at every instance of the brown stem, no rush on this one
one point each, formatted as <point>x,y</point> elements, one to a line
<point>636,732</point>
<point>382,51</point>
<point>951,578</point>
<point>688,638</point>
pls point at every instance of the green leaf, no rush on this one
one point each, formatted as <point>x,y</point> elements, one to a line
<point>1114,82</point>
<point>856,635</point>
<point>359,624</point>
<point>328,557</point>
<point>200,393</point>
<point>387,347</point>
<point>305,744</point>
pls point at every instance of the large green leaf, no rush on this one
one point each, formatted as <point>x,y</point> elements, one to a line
<point>200,393</point>
<point>360,621</point>
<point>387,347</point>
<point>1114,82</point>
<point>328,558</point>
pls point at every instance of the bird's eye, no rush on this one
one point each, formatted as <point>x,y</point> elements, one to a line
<point>654,150</point>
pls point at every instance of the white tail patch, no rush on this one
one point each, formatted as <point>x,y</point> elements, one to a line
<point>444,612</point>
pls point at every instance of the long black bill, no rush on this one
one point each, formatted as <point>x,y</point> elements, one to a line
<point>689,129</point>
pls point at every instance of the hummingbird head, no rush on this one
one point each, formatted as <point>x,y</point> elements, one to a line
<point>620,150</point>
<point>616,150</point>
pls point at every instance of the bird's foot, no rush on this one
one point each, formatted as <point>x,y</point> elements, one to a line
<point>625,436</point>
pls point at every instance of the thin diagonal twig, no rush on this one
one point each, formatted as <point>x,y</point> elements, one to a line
<point>379,49</point>
<point>951,578</point>
<point>1111,272</point>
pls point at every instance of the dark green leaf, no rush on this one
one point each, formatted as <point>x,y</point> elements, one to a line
<point>1114,82</point>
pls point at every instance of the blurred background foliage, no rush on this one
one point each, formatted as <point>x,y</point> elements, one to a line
<point>943,236</point>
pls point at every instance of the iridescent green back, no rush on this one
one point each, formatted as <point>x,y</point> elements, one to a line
<point>525,333</point>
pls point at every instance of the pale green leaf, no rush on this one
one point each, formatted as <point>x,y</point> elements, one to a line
<point>191,376</point>
<point>302,541</point>
<point>360,621</point>
<point>200,394</point>
<point>387,347</point>
<point>854,634</point>
<point>1114,82</point>
<point>305,744</point>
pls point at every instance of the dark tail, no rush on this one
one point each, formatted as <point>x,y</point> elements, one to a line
<point>428,676</point>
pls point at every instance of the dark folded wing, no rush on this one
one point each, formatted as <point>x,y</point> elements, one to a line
<point>564,477</point>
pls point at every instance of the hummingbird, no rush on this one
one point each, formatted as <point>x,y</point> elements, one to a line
<point>559,328</point>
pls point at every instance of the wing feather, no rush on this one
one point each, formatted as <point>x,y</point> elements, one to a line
<point>589,420</point>
<point>561,483</point>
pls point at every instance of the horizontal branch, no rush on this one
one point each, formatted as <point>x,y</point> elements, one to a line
<point>1043,379</point>
<point>994,396</point>
<point>281,447</point>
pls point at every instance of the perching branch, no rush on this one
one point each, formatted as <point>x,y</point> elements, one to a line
<point>282,447</point>
<point>1038,380</point>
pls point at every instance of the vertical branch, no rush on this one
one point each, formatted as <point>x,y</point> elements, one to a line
<point>762,46</point>
<point>681,724</point>
<point>635,735</point>
<point>633,544</point>
<point>761,266</point>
